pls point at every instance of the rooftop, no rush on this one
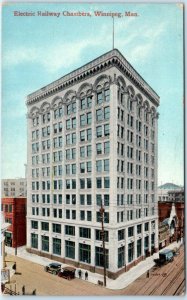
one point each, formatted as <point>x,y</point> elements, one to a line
<point>107,60</point>
<point>170,186</point>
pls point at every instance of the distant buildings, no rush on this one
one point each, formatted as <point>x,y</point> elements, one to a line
<point>165,191</point>
<point>14,187</point>
<point>14,211</point>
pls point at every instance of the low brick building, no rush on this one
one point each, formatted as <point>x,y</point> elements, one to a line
<point>14,210</point>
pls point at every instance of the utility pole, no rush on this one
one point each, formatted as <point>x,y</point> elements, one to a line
<point>15,224</point>
<point>102,210</point>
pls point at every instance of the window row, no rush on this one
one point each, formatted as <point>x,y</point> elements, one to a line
<point>84,199</point>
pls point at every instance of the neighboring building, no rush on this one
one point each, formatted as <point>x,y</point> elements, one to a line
<point>164,235</point>
<point>176,195</point>
<point>14,210</point>
<point>92,137</point>
<point>4,227</point>
<point>14,187</point>
<point>171,213</point>
<point>165,189</point>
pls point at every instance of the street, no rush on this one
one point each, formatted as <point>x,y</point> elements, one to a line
<point>167,280</point>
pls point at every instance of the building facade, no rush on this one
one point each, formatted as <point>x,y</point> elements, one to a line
<point>14,187</point>
<point>168,191</point>
<point>14,210</point>
<point>92,138</point>
<point>172,213</point>
<point>176,195</point>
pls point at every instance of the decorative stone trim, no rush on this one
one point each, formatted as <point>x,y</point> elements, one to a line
<point>106,61</point>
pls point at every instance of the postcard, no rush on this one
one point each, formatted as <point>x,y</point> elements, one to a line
<point>92,149</point>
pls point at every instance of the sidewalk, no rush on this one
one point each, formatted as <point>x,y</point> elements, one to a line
<point>121,282</point>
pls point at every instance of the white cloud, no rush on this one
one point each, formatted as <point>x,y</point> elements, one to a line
<point>69,54</point>
<point>146,42</point>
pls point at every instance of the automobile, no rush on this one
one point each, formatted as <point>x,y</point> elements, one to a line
<point>67,273</point>
<point>53,268</point>
<point>165,257</point>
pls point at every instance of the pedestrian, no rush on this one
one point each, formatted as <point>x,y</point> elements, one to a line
<point>23,290</point>
<point>14,266</point>
<point>148,274</point>
<point>80,274</point>
<point>34,292</point>
<point>86,275</point>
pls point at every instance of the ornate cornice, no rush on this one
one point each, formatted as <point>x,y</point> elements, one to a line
<point>98,65</point>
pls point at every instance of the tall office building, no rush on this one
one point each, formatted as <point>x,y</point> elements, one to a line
<point>92,138</point>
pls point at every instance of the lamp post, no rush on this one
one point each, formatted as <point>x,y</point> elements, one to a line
<point>102,210</point>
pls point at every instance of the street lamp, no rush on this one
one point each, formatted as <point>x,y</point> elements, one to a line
<point>102,210</point>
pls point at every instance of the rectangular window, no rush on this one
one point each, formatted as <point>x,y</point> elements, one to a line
<point>106,130</point>
<point>89,150</point>
<point>83,103</point>
<point>56,246</point>
<point>99,98</point>
<point>57,228</point>
<point>85,253</point>
<point>99,131</point>
<point>130,252</point>
<point>107,95</point>
<point>89,183</point>
<point>85,232</point>
<point>73,122</point>
<point>82,168</point>
<point>89,118</point>
<point>89,166</point>
<point>70,230</point>
<point>82,136</point>
<point>34,240</point>
<point>99,183</point>
<point>82,199</point>
<point>82,152</point>
<point>107,147</point>
<point>106,182</point>
<point>107,113</point>
<point>139,247</point>
<point>99,148</point>
<point>82,183</point>
<point>82,120</point>
<point>34,224</point>
<point>121,257</point>
<point>130,231</point>
<point>70,249</point>
<point>89,134</point>
<point>82,215</point>
<point>106,165</point>
<point>45,243</point>
<point>99,258</point>
<point>99,115</point>
<point>121,234</point>
<point>99,166</point>
<point>89,199</point>
<point>98,235</point>
<point>68,124</point>
<point>45,226</point>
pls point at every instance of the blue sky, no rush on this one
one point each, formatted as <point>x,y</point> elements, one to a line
<point>38,50</point>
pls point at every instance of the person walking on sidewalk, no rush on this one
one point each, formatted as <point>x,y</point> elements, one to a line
<point>23,290</point>
<point>86,275</point>
<point>80,274</point>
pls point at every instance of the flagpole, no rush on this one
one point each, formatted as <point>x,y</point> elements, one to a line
<point>113,35</point>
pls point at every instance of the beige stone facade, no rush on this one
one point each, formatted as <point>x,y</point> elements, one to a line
<point>92,137</point>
